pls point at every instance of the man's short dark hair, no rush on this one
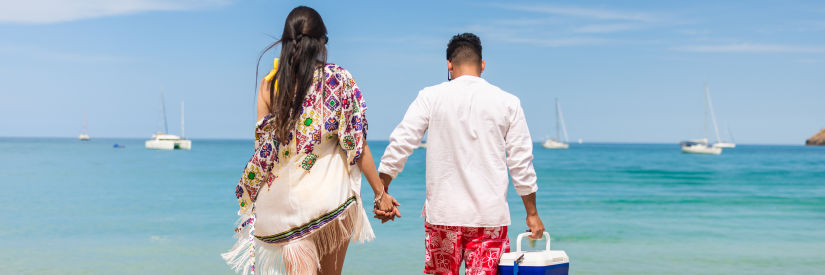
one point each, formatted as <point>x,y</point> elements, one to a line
<point>464,48</point>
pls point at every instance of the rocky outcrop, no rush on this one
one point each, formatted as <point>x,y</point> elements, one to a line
<point>818,139</point>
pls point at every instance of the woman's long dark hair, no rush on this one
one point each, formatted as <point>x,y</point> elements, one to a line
<point>303,49</point>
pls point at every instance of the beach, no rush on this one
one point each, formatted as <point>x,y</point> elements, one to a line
<point>73,207</point>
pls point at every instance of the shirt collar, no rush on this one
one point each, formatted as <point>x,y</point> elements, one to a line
<point>467,77</point>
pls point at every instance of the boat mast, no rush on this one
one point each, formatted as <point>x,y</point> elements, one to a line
<point>558,118</point>
<point>181,119</point>
<point>163,109</point>
<point>84,121</point>
<point>706,113</point>
<point>730,134</point>
<point>712,116</point>
<point>561,120</point>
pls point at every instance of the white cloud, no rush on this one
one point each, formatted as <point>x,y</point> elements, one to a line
<point>549,25</point>
<point>603,14</point>
<point>523,22</point>
<point>751,48</point>
<point>693,32</point>
<point>813,26</point>
<point>558,42</point>
<point>52,55</point>
<point>543,39</point>
<point>810,60</point>
<point>605,28</point>
<point>52,11</point>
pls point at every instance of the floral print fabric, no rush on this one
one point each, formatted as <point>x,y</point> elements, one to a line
<point>333,110</point>
<point>479,247</point>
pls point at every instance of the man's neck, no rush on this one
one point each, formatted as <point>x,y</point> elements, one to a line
<point>471,71</point>
<point>463,74</point>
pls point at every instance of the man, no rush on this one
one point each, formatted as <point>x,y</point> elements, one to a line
<point>476,133</point>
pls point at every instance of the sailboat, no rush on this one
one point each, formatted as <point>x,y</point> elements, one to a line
<point>557,143</point>
<point>163,141</point>
<point>726,144</point>
<point>83,136</point>
<point>701,146</point>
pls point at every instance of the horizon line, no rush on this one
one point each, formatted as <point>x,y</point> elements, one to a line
<point>387,140</point>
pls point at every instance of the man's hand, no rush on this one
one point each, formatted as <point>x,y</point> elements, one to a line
<point>536,226</point>
<point>533,220</point>
<point>386,208</point>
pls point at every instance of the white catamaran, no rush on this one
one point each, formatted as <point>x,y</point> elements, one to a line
<point>557,143</point>
<point>163,141</point>
<point>701,146</point>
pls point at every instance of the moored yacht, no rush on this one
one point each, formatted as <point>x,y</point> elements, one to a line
<point>83,136</point>
<point>726,144</point>
<point>554,144</point>
<point>163,141</point>
<point>701,146</point>
<point>557,143</point>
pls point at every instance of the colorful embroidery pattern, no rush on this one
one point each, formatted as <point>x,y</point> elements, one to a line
<point>333,108</point>
<point>238,191</point>
<point>348,143</point>
<point>251,178</point>
<point>266,150</point>
<point>332,102</point>
<point>331,124</point>
<point>307,228</point>
<point>309,161</point>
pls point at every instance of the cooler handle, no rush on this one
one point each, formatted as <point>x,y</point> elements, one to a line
<point>522,235</point>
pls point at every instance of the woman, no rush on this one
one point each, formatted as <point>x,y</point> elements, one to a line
<point>299,193</point>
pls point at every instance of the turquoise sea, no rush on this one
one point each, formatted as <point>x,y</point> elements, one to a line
<point>71,207</point>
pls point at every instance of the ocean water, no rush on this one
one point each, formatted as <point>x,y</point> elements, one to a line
<point>71,207</point>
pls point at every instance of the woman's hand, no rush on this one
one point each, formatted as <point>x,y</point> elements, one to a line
<point>386,207</point>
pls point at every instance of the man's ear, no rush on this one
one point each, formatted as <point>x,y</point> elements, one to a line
<point>449,70</point>
<point>482,67</point>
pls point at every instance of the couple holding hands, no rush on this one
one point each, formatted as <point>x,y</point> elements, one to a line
<point>299,195</point>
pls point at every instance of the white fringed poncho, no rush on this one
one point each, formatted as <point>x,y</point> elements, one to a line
<point>307,188</point>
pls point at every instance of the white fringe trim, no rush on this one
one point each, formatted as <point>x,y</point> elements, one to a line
<point>240,257</point>
<point>302,256</point>
<point>362,231</point>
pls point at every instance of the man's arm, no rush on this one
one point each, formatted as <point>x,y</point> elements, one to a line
<point>533,220</point>
<point>519,148</point>
<point>404,139</point>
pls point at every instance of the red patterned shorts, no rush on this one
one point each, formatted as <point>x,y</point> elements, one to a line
<point>479,247</point>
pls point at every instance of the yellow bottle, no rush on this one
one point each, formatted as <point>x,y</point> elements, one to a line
<point>271,73</point>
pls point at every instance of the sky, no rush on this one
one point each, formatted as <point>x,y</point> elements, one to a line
<point>629,71</point>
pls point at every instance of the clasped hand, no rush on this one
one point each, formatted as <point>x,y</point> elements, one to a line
<point>386,208</point>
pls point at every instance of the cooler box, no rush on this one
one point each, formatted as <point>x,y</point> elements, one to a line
<point>546,262</point>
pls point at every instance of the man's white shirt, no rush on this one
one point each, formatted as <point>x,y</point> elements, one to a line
<point>476,132</point>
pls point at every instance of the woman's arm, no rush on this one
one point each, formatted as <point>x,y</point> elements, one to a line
<point>263,99</point>
<point>386,203</point>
